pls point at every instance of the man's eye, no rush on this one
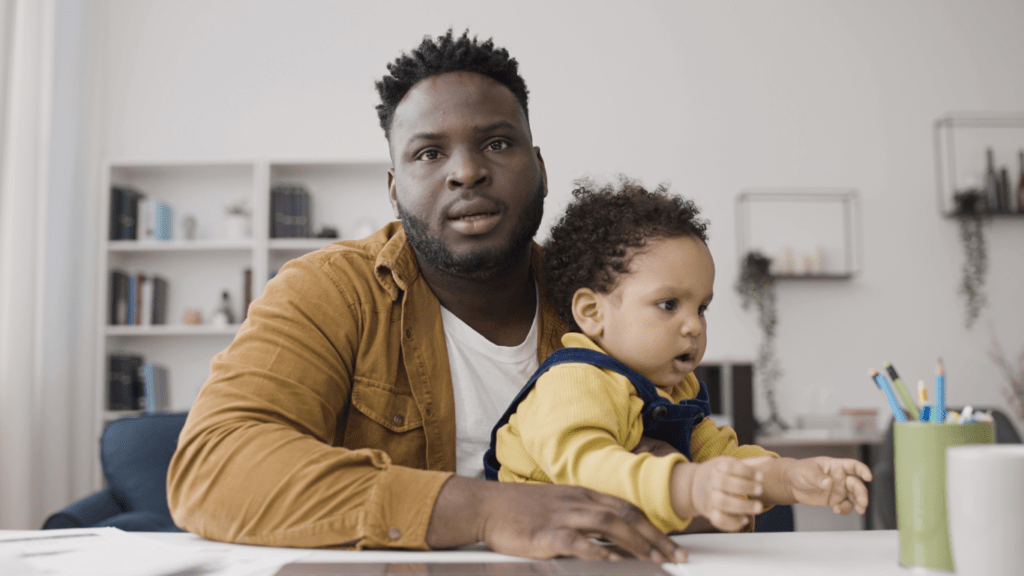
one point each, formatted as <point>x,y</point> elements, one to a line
<point>428,155</point>
<point>702,309</point>
<point>497,145</point>
<point>667,305</point>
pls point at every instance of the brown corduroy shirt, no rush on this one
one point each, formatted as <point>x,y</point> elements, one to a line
<point>330,419</point>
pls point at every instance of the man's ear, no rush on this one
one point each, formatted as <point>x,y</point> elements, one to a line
<point>586,310</point>
<point>393,193</point>
<point>543,170</point>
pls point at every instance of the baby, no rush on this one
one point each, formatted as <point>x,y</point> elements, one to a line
<point>631,274</point>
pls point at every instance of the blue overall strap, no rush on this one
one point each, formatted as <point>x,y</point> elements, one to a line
<point>652,414</point>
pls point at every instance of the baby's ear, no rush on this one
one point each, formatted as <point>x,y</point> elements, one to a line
<point>586,310</point>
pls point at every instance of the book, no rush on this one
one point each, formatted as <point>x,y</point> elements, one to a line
<point>124,381</point>
<point>146,301</point>
<point>160,289</point>
<point>155,397</point>
<point>277,212</point>
<point>163,215</point>
<point>133,299</point>
<point>124,212</point>
<point>247,291</point>
<point>115,213</point>
<point>302,214</point>
<point>118,297</point>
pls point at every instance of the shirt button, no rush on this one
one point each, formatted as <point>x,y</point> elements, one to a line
<point>398,422</point>
<point>429,412</point>
<point>659,413</point>
<point>394,533</point>
<point>408,334</point>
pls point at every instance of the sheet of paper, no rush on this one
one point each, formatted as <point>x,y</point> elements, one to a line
<point>113,552</point>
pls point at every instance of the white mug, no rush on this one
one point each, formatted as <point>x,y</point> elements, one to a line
<point>985,501</point>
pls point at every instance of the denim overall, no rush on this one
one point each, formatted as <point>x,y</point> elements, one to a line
<point>672,423</point>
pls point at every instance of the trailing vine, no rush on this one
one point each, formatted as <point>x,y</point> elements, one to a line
<point>972,284</point>
<point>756,286</point>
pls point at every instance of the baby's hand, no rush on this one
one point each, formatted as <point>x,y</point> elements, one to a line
<point>724,490</point>
<point>835,482</point>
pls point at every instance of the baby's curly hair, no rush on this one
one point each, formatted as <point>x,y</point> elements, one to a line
<point>434,57</point>
<point>601,231</point>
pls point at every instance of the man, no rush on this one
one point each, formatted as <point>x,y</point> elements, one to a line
<point>347,400</point>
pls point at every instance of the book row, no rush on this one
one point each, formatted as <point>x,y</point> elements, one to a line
<point>133,216</point>
<point>137,299</point>
<point>290,212</point>
<point>134,384</point>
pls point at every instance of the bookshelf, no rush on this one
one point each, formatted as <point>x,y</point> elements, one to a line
<point>206,258</point>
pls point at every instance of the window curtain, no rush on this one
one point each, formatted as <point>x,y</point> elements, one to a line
<point>44,392</point>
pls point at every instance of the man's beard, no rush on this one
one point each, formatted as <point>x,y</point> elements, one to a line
<point>475,264</point>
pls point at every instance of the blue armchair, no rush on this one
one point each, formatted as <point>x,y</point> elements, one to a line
<point>135,453</point>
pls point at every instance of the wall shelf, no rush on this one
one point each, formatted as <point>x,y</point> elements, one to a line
<point>961,141</point>
<point>816,229</point>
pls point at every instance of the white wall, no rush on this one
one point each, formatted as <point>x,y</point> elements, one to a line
<point>714,97</point>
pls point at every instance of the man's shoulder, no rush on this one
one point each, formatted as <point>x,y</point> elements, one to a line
<point>353,263</point>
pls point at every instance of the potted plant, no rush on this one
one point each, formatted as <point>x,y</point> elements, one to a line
<point>237,221</point>
<point>756,286</point>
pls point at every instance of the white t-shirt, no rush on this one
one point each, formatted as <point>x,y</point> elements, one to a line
<point>485,377</point>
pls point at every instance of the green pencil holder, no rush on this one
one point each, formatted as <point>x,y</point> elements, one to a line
<point>920,458</point>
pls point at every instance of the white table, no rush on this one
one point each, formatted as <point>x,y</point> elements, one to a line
<point>853,553</point>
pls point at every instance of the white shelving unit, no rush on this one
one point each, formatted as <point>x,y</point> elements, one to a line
<point>350,196</point>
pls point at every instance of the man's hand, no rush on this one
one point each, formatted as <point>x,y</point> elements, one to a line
<point>544,521</point>
<point>723,489</point>
<point>835,482</point>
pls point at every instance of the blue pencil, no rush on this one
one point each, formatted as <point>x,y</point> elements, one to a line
<point>890,396</point>
<point>939,412</point>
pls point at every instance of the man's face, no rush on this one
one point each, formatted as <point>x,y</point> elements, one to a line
<point>467,182</point>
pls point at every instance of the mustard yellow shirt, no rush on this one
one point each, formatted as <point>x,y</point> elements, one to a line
<point>578,426</point>
<point>330,419</point>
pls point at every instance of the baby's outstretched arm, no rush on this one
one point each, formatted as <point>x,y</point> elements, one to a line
<point>819,481</point>
<point>724,489</point>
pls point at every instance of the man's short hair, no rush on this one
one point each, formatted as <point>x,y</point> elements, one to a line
<point>434,57</point>
<point>603,229</point>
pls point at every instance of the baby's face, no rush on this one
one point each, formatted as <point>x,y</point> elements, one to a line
<point>653,320</point>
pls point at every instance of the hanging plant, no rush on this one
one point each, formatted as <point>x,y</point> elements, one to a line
<point>756,286</point>
<point>972,220</point>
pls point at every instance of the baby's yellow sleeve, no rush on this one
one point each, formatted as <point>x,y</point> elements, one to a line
<point>577,424</point>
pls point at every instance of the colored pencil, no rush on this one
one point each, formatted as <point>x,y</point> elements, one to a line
<point>902,391</point>
<point>894,404</point>
<point>939,412</point>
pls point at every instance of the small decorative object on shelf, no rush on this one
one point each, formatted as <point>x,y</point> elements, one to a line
<point>238,221</point>
<point>188,226</point>
<point>1019,193</point>
<point>756,285</point>
<point>223,316</point>
<point>327,232</point>
<point>193,317</point>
